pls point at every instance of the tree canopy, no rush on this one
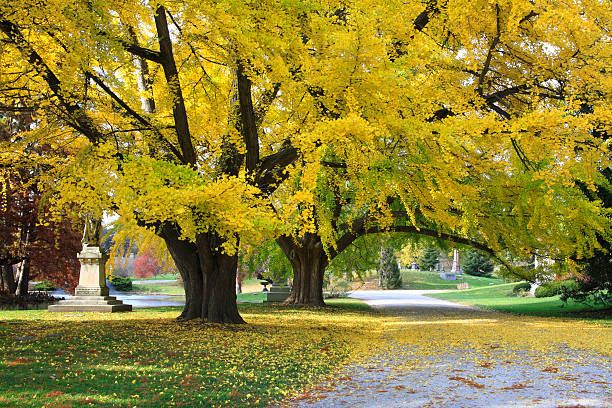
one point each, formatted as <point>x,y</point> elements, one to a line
<point>216,123</point>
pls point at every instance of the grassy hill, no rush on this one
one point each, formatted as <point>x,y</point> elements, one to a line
<point>431,280</point>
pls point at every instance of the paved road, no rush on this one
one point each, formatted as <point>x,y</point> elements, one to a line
<point>404,299</point>
<point>440,354</point>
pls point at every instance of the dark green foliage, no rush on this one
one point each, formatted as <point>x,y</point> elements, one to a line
<point>122,284</point>
<point>580,291</point>
<point>597,269</point>
<point>429,259</point>
<point>476,264</point>
<point>521,287</point>
<point>596,284</point>
<point>557,287</point>
<point>45,286</point>
<point>388,270</point>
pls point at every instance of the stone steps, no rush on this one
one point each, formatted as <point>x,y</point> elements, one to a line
<point>104,304</point>
<point>104,308</point>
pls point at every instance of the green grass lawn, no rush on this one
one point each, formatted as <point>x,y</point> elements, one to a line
<point>161,289</point>
<point>164,276</point>
<point>499,297</point>
<point>432,280</point>
<point>250,297</point>
<point>147,359</point>
<point>174,288</point>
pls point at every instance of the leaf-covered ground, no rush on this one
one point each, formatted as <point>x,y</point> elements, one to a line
<point>437,355</point>
<point>147,359</point>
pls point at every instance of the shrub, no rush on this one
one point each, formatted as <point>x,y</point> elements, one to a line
<point>27,301</point>
<point>521,287</point>
<point>122,284</point>
<point>558,287</point>
<point>45,286</point>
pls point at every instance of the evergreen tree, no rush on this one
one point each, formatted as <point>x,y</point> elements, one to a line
<point>429,259</point>
<point>476,264</point>
<point>390,277</point>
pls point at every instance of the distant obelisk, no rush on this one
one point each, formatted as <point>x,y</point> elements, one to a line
<point>456,267</point>
<point>91,295</point>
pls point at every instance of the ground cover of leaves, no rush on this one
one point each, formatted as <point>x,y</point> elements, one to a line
<point>465,357</point>
<point>147,359</point>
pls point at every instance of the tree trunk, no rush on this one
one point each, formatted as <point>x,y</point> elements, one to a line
<point>209,276</point>
<point>185,256</point>
<point>8,278</point>
<point>308,260</point>
<point>219,280</point>
<point>24,278</point>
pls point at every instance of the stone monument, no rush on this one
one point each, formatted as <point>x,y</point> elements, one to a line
<point>277,293</point>
<point>456,267</point>
<point>91,295</point>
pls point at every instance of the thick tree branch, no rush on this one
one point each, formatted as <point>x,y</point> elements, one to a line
<point>28,109</point>
<point>361,228</point>
<point>179,112</point>
<point>487,63</point>
<point>141,52</point>
<point>423,19</point>
<point>271,169</point>
<point>248,126</point>
<point>131,112</point>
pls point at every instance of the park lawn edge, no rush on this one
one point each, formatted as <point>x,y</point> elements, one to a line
<point>527,306</point>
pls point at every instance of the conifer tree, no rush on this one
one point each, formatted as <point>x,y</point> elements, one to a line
<point>429,259</point>
<point>477,264</point>
<point>389,273</point>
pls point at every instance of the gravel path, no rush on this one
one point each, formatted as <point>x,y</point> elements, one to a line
<point>441,354</point>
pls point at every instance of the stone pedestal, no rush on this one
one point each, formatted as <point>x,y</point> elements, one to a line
<point>277,293</point>
<point>448,276</point>
<point>91,295</point>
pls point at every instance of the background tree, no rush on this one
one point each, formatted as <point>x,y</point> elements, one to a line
<point>477,264</point>
<point>146,265</point>
<point>410,254</point>
<point>388,271</point>
<point>594,271</point>
<point>33,245</point>
<point>429,259</point>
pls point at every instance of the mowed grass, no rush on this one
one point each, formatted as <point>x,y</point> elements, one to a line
<point>431,280</point>
<point>176,288</point>
<point>500,297</point>
<point>170,288</point>
<point>163,276</point>
<point>147,359</point>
